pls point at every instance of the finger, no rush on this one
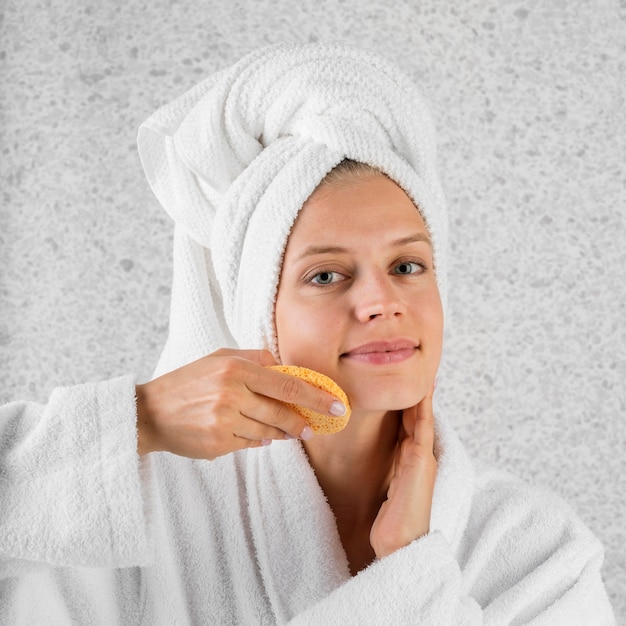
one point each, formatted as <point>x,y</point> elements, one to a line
<point>287,388</point>
<point>424,429</point>
<point>241,443</point>
<point>234,441</point>
<point>240,379</point>
<point>260,357</point>
<point>423,409</point>
<point>273,413</point>
<point>409,415</point>
<point>250,428</point>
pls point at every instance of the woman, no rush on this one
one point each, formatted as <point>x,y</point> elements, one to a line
<point>310,230</point>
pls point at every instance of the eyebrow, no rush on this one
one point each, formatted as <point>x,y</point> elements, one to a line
<point>403,241</point>
<point>412,239</point>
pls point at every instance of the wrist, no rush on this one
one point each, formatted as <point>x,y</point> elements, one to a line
<point>144,444</point>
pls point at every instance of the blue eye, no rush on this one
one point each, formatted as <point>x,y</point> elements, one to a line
<point>408,267</point>
<point>325,278</point>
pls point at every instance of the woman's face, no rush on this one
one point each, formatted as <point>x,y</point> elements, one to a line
<point>357,298</point>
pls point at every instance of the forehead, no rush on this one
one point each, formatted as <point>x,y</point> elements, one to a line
<point>374,206</point>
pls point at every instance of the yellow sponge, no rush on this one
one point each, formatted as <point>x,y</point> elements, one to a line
<point>320,423</point>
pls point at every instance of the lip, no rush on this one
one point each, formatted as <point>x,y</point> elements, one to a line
<point>382,352</point>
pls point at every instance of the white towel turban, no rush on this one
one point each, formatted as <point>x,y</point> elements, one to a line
<point>233,160</point>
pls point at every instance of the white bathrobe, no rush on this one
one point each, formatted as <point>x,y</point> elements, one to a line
<point>91,534</point>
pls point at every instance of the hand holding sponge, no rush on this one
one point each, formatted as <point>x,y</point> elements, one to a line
<point>320,423</point>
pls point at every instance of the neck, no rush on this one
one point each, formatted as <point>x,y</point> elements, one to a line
<point>353,467</point>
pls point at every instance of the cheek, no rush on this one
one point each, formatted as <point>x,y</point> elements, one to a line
<point>292,328</point>
<point>305,333</point>
<point>432,324</point>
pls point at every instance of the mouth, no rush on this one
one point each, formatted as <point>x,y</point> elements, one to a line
<point>382,352</point>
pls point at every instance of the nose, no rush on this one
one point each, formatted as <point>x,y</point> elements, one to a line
<point>376,296</point>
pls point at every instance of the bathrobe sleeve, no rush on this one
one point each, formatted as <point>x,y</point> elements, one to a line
<point>525,558</point>
<point>71,492</point>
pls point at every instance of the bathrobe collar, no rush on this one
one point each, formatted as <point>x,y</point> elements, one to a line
<point>299,552</point>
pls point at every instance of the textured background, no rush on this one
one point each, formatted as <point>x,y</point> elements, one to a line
<point>529,100</point>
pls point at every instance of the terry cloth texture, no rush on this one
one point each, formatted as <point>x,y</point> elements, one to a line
<point>250,539</point>
<point>233,160</point>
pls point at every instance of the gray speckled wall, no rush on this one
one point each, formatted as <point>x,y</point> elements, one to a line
<point>529,99</point>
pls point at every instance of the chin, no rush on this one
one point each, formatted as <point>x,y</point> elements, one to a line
<point>374,407</point>
<point>386,398</point>
<point>387,388</point>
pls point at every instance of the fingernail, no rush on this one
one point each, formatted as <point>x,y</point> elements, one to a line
<point>337,408</point>
<point>266,442</point>
<point>436,381</point>
<point>288,436</point>
<point>307,433</point>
